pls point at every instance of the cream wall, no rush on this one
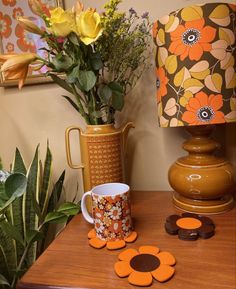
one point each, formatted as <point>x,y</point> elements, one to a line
<point>38,113</point>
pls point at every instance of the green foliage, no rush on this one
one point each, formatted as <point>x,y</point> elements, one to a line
<point>101,74</point>
<point>28,203</point>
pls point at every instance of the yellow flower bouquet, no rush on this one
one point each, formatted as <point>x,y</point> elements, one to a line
<point>96,58</point>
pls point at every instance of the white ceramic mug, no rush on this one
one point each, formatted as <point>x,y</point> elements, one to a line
<point>111,211</point>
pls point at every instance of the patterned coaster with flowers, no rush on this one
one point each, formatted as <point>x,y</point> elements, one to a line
<point>98,243</point>
<point>144,264</point>
<point>190,226</point>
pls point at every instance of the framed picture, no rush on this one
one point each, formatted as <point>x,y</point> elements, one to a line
<point>14,39</point>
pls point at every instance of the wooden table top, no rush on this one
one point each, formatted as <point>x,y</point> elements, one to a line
<point>203,264</point>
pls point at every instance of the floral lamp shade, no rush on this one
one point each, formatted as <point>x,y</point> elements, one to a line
<point>195,65</point>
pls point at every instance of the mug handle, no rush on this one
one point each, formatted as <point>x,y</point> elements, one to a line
<point>84,210</point>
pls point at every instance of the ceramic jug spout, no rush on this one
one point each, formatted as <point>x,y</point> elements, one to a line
<point>124,134</point>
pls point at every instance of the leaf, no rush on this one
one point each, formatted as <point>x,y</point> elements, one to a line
<point>69,209</point>
<point>30,208</point>
<point>74,39</point>
<point>200,70</point>
<point>117,95</point>
<point>171,64</point>
<point>105,94</point>
<point>181,76</point>
<point>47,173</point>
<point>87,80</point>
<point>172,24</point>
<point>72,77</point>
<point>214,82</point>
<point>18,165</point>
<point>160,39</point>
<point>171,108</point>
<point>71,102</point>
<point>230,78</point>
<point>233,103</point>
<point>15,185</point>
<point>33,236</point>
<point>163,121</point>
<point>228,61</point>
<point>162,54</point>
<point>96,61</point>
<point>56,193</point>
<point>192,85</point>
<point>219,49</point>
<point>61,82</point>
<point>56,217</point>
<point>220,15</point>
<point>231,116</point>
<point>3,281</point>
<point>62,62</point>
<point>227,35</point>
<point>191,13</point>
<point>175,122</point>
<point>12,232</point>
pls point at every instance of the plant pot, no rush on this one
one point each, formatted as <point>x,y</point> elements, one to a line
<point>102,153</point>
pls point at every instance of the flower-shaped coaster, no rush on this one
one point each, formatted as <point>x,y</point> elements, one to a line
<point>97,243</point>
<point>144,264</point>
<point>190,226</point>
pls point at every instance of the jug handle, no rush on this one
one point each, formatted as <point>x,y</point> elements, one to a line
<point>68,150</point>
<point>125,131</point>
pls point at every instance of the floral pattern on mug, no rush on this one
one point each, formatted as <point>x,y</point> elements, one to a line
<point>112,216</point>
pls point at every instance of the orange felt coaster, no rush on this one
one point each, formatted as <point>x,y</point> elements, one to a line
<point>97,243</point>
<point>189,223</point>
<point>144,264</point>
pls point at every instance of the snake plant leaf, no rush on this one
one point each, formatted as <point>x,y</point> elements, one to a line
<point>12,232</point>
<point>30,208</point>
<point>3,281</point>
<point>7,255</point>
<point>33,236</point>
<point>61,82</point>
<point>87,79</point>
<point>56,217</point>
<point>18,165</point>
<point>56,192</point>
<point>69,208</point>
<point>47,174</point>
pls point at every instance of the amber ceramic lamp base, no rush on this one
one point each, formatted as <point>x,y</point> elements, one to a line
<point>203,183</point>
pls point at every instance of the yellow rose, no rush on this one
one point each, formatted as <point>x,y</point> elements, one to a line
<point>61,22</point>
<point>88,26</point>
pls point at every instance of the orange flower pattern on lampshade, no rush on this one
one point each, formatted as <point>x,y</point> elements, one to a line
<point>195,62</point>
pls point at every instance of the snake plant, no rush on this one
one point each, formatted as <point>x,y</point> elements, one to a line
<point>28,203</point>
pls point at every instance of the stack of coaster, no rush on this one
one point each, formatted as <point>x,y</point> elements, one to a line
<point>97,243</point>
<point>144,264</point>
<point>190,226</point>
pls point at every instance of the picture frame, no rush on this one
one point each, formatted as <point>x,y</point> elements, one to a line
<point>12,43</point>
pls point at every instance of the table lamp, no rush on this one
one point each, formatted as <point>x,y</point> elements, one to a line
<point>196,82</point>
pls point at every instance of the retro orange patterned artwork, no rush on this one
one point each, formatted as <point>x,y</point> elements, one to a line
<point>195,62</point>
<point>13,38</point>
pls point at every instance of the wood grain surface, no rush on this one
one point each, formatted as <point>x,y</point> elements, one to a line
<point>203,264</point>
